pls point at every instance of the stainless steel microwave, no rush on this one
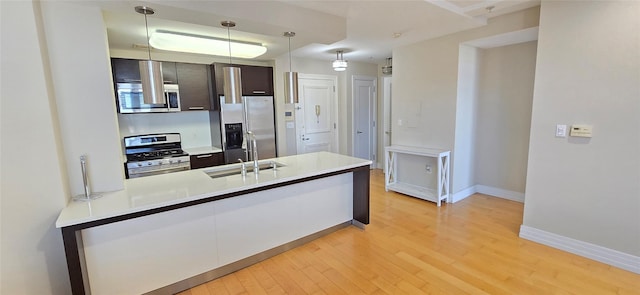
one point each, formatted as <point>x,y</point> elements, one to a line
<point>130,99</point>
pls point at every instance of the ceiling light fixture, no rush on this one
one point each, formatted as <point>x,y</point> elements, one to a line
<point>150,71</point>
<point>231,74</point>
<point>290,78</point>
<point>340,64</point>
<point>388,69</point>
<point>184,42</point>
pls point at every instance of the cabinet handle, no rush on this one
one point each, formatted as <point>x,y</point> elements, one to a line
<point>196,108</point>
<point>204,156</point>
<point>259,92</point>
<point>132,80</point>
<point>168,82</point>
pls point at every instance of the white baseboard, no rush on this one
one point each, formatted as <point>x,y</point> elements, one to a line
<point>592,251</point>
<point>461,195</point>
<point>488,190</point>
<point>500,193</point>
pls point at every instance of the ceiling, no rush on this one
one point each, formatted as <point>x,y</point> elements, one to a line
<point>366,30</point>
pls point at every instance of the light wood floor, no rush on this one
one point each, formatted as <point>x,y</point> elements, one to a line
<point>414,247</point>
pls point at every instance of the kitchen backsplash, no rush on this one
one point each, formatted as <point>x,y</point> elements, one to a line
<point>193,126</point>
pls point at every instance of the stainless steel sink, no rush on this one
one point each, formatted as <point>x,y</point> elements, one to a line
<point>236,169</point>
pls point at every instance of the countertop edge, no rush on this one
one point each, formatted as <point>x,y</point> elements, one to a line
<point>238,190</point>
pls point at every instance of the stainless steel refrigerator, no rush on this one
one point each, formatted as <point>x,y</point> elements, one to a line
<point>255,114</point>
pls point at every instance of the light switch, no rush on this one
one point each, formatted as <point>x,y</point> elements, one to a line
<point>561,130</point>
<point>581,130</point>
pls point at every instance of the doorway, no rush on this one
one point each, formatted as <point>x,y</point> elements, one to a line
<point>364,118</point>
<point>316,114</point>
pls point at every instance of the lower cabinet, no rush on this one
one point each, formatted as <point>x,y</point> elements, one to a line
<point>206,160</point>
<point>250,224</point>
<point>140,255</point>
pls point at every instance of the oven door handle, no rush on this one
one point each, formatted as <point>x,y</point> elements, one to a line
<point>134,174</point>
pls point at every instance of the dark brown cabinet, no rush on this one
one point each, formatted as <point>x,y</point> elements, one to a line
<point>206,160</point>
<point>195,90</point>
<point>169,72</point>
<point>218,79</point>
<point>128,71</point>
<point>256,80</point>
<point>125,70</point>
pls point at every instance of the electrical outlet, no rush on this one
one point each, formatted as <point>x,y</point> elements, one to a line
<point>428,168</point>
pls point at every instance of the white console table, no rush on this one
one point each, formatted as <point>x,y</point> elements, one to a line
<point>393,183</point>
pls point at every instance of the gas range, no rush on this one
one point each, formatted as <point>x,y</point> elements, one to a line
<point>153,154</point>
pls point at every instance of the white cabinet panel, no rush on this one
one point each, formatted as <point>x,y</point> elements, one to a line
<point>139,255</point>
<point>249,224</point>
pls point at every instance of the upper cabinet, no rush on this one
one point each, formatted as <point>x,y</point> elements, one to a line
<point>256,80</point>
<point>200,86</point>
<point>128,71</point>
<point>195,89</point>
<point>192,79</point>
<point>169,72</point>
<point>125,70</point>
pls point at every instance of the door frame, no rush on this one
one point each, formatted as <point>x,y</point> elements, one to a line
<point>334,107</point>
<point>374,114</point>
<point>387,84</point>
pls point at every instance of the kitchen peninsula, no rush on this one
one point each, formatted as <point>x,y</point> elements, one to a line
<point>166,233</point>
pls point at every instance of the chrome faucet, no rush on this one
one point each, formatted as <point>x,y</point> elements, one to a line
<point>244,168</point>
<point>254,151</point>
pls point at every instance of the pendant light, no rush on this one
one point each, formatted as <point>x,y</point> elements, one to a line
<point>150,71</point>
<point>290,78</point>
<point>232,76</point>
<point>339,64</point>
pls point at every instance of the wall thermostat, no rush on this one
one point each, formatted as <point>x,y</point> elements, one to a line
<point>581,130</point>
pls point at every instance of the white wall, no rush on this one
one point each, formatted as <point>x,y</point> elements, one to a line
<point>466,112</point>
<point>425,85</point>
<point>503,118</point>
<point>33,179</point>
<point>318,67</point>
<point>587,71</point>
<point>193,126</point>
<point>81,74</point>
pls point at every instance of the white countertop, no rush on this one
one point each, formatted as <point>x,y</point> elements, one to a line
<point>202,150</point>
<point>144,193</point>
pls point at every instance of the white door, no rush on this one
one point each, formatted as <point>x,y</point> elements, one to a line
<point>316,114</point>
<point>364,118</point>
<point>386,124</point>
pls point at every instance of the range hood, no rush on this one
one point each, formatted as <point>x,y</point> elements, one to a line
<point>152,82</point>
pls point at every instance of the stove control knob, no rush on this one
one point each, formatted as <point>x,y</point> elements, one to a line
<point>148,163</point>
<point>178,161</point>
<point>139,164</point>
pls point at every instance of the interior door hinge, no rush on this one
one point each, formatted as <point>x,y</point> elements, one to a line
<point>334,126</point>
<point>334,88</point>
<point>374,157</point>
<point>374,123</point>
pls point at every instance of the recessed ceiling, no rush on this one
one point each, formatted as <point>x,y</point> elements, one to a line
<point>367,31</point>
